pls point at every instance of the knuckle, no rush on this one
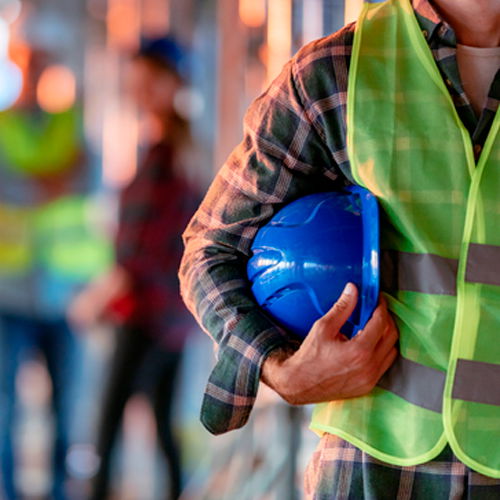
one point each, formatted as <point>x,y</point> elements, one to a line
<point>375,321</point>
<point>291,400</point>
<point>368,383</point>
<point>393,332</point>
<point>394,337</point>
<point>378,313</point>
<point>341,305</point>
<point>394,353</point>
<point>320,323</point>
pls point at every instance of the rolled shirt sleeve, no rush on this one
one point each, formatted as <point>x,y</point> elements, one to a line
<point>284,155</point>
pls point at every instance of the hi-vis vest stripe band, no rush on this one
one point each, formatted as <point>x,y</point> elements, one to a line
<point>423,386</point>
<point>469,383</point>
<point>483,264</point>
<point>416,272</point>
<point>434,274</point>
<point>416,383</point>
<point>440,254</point>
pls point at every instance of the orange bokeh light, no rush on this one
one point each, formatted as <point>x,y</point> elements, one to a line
<point>56,89</point>
<point>123,23</point>
<point>279,36</point>
<point>19,54</point>
<point>252,12</point>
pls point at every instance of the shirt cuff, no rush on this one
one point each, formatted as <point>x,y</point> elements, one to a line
<point>234,381</point>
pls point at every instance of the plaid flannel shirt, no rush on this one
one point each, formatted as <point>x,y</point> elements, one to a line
<point>294,144</point>
<point>154,209</point>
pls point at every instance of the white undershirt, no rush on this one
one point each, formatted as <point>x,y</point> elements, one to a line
<point>477,67</point>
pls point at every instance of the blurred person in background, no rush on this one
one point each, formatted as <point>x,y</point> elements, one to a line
<point>47,252</point>
<point>141,293</point>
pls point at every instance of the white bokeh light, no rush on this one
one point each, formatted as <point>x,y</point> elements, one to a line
<point>11,83</point>
<point>4,39</point>
<point>10,10</point>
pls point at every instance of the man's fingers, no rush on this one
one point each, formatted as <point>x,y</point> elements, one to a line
<point>387,341</point>
<point>387,362</point>
<point>343,308</point>
<point>369,337</point>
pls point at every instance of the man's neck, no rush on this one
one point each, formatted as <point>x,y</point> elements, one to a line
<point>476,22</point>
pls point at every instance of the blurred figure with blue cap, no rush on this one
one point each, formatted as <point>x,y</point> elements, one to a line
<point>140,294</point>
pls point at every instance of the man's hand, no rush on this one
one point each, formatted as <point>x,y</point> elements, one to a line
<point>328,366</point>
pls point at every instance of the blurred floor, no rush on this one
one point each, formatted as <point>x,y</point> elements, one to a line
<point>139,471</point>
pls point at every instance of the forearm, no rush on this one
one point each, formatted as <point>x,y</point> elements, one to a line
<point>216,291</point>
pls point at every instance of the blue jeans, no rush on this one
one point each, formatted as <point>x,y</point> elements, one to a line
<point>20,337</point>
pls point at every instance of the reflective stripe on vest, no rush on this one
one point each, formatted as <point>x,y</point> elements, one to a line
<point>423,386</point>
<point>441,249</point>
<point>416,383</point>
<point>433,274</point>
<point>424,273</point>
<point>483,264</point>
<point>477,382</point>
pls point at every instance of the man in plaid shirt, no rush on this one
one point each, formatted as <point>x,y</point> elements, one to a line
<point>294,145</point>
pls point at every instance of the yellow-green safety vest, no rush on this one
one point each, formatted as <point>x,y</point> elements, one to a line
<point>15,239</point>
<point>47,145</point>
<point>57,236</point>
<point>440,241</point>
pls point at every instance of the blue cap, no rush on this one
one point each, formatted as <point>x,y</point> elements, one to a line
<point>306,254</point>
<point>167,50</point>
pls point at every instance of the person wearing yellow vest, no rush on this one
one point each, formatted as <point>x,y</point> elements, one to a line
<point>383,104</point>
<point>48,251</point>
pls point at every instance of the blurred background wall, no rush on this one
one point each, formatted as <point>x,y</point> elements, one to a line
<point>238,47</point>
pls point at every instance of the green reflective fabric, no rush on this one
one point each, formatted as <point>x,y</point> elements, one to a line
<point>67,243</point>
<point>15,240</point>
<point>408,146</point>
<point>58,236</point>
<point>473,427</point>
<point>46,145</point>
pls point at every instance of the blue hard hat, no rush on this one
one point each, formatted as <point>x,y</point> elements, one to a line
<point>306,254</point>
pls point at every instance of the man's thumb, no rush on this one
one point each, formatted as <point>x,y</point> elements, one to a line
<point>343,308</point>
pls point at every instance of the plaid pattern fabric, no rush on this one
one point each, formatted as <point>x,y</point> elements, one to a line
<point>340,471</point>
<point>154,209</point>
<point>294,144</point>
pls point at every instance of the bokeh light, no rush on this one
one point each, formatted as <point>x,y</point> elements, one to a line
<point>123,23</point>
<point>56,89</point>
<point>10,10</point>
<point>252,12</point>
<point>20,54</point>
<point>11,83</point>
<point>4,38</point>
<point>279,36</point>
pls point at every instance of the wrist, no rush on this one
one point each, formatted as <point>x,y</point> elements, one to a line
<point>275,370</point>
